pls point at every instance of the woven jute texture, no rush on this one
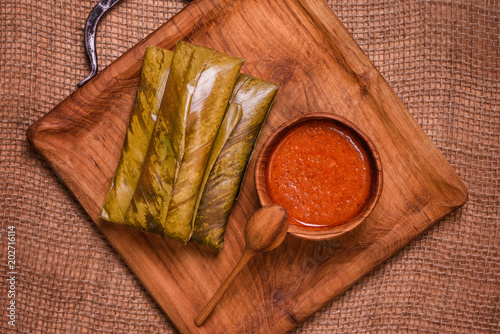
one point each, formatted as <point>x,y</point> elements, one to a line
<point>442,59</point>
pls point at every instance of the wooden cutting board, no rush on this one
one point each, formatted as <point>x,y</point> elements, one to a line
<point>303,47</point>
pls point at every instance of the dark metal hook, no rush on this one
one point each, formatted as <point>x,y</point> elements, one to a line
<point>90,35</point>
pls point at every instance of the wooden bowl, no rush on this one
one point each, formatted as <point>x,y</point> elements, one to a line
<point>323,232</point>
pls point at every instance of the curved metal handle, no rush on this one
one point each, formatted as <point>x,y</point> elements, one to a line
<point>90,35</point>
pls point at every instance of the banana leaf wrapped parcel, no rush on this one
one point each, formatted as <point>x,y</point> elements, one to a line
<point>231,119</point>
<point>146,106</point>
<point>196,96</point>
<point>192,131</point>
<point>255,97</point>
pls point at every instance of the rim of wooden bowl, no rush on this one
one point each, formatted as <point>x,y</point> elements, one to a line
<point>320,233</point>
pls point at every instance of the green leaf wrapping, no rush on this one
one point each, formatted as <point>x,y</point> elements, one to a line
<point>148,208</point>
<point>147,102</point>
<point>220,192</point>
<point>231,119</point>
<point>210,100</point>
<point>195,99</point>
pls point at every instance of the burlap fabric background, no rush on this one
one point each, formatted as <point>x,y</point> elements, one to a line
<point>442,59</point>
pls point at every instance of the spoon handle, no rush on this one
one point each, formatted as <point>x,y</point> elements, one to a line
<point>205,312</point>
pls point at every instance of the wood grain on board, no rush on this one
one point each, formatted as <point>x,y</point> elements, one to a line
<point>303,47</point>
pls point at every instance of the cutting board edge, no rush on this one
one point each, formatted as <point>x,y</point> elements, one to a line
<point>371,81</point>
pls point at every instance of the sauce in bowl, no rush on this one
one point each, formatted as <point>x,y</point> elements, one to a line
<point>320,173</point>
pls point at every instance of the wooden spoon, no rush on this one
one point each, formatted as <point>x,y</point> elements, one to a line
<point>265,230</point>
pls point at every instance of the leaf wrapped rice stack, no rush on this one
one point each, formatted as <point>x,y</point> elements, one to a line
<point>150,91</point>
<point>196,95</point>
<point>220,192</point>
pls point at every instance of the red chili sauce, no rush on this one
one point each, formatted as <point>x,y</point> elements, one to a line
<point>320,173</point>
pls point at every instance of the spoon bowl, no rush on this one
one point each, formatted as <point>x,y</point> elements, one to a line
<point>266,228</point>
